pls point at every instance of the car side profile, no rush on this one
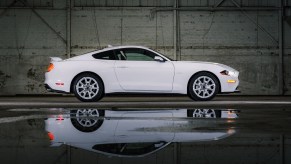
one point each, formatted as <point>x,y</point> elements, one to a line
<point>137,69</point>
<point>135,133</point>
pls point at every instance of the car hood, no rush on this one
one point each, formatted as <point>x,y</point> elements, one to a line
<point>207,63</point>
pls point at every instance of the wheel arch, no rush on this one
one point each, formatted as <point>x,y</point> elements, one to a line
<point>72,82</point>
<point>219,91</point>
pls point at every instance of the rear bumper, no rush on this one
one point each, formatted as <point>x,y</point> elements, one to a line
<point>49,89</point>
<point>56,83</point>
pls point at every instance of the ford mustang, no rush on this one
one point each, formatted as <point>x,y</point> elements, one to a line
<point>137,69</point>
<point>135,133</point>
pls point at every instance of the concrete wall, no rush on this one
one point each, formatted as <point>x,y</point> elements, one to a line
<point>245,40</point>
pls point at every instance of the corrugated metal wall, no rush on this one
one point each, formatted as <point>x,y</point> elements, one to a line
<point>249,40</point>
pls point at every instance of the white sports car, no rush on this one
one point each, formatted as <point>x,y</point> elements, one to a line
<point>136,69</point>
<point>136,133</point>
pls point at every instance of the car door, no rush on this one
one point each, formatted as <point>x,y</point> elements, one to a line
<point>145,126</point>
<point>138,71</point>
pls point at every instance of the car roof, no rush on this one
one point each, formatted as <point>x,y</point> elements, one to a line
<point>119,47</point>
<point>88,55</point>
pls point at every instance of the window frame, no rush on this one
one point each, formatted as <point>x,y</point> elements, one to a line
<point>144,53</point>
<point>120,49</point>
<point>107,51</point>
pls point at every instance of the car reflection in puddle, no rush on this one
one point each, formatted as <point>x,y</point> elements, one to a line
<point>135,133</point>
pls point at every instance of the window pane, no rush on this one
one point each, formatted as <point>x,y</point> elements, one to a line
<point>120,56</point>
<point>129,148</point>
<point>107,55</point>
<point>135,54</point>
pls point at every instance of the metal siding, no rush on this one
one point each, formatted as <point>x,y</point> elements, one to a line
<point>32,3</point>
<point>228,37</point>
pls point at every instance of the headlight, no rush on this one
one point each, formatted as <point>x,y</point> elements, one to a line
<point>228,73</point>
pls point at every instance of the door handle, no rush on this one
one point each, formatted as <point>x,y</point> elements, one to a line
<point>122,67</point>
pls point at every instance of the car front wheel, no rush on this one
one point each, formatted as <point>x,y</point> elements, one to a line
<point>203,86</point>
<point>88,87</point>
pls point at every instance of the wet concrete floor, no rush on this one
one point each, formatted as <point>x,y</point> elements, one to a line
<point>159,134</point>
<point>146,101</point>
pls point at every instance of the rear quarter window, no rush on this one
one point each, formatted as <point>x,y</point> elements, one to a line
<point>107,55</point>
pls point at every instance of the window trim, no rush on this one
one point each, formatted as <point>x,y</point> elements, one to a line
<point>99,53</point>
<point>145,50</point>
<point>119,49</point>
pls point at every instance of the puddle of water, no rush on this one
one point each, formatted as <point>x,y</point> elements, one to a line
<point>57,135</point>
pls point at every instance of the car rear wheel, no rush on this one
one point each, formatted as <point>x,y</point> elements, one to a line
<point>203,86</point>
<point>87,120</point>
<point>204,113</point>
<point>88,87</point>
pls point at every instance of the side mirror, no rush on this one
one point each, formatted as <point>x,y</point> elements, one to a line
<point>159,59</point>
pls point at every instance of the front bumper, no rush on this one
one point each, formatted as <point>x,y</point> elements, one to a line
<point>237,91</point>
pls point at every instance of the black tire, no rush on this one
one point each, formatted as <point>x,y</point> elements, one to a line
<point>78,122</point>
<point>211,93</point>
<point>96,97</point>
<point>217,113</point>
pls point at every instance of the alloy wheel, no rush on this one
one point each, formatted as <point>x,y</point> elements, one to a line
<point>204,87</point>
<point>87,87</point>
<point>87,117</point>
<point>204,113</point>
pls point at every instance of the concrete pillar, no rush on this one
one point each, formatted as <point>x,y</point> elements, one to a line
<point>68,26</point>
<point>281,50</point>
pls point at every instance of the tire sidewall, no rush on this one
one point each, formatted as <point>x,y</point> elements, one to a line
<point>100,93</point>
<point>192,94</point>
<point>191,111</point>
<point>81,128</point>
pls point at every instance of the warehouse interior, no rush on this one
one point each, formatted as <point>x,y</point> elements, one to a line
<point>252,36</point>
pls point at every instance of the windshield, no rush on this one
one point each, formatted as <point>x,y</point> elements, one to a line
<point>168,58</point>
<point>162,55</point>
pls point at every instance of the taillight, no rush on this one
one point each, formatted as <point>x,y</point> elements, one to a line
<point>51,136</point>
<point>50,67</point>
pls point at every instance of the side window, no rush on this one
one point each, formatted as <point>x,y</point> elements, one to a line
<point>135,54</point>
<point>151,54</point>
<point>120,55</point>
<point>107,55</point>
<point>129,148</point>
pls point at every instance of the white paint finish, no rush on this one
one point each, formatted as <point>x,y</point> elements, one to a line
<point>145,75</point>
<point>66,71</point>
<point>143,129</point>
<point>185,70</point>
<point>137,76</point>
<point>150,126</point>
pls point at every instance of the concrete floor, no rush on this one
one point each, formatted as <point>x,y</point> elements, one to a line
<point>261,136</point>
<point>150,101</point>
<point>263,133</point>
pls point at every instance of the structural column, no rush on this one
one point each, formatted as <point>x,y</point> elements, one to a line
<point>281,49</point>
<point>175,30</point>
<point>68,26</point>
